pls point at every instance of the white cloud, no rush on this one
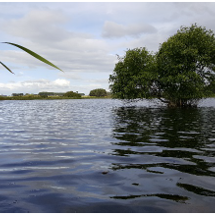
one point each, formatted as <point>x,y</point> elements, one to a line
<point>72,51</point>
<point>37,25</point>
<point>112,29</point>
<point>58,85</point>
<point>35,86</point>
<point>61,83</point>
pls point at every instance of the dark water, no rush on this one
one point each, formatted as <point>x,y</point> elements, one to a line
<point>104,156</point>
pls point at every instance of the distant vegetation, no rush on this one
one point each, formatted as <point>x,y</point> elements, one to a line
<point>17,94</point>
<point>52,95</point>
<point>71,94</point>
<point>47,94</point>
<point>98,92</point>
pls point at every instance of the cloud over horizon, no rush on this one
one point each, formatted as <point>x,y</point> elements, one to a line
<point>83,39</point>
<point>35,86</point>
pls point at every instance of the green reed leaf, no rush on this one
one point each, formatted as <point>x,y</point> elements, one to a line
<point>34,55</point>
<point>6,67</point>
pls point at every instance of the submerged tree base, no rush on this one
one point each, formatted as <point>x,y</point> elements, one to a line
<point>174,105</point>
<point>180,103</point>
<point>183,104</point>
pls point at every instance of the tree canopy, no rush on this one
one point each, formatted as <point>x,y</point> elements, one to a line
<point>98,92</point>
<point>134,75</point>
<point>180,73</point>
<point>72,94</point>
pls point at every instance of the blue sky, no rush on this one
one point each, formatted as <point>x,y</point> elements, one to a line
<point>83,39</point>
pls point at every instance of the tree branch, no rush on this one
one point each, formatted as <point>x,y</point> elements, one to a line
<point>164,101</point>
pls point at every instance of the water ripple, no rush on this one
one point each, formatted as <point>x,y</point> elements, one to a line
<point>93,155</point>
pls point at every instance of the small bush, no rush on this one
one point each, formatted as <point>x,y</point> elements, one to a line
<point>98,92</point>
<point>71,94</point>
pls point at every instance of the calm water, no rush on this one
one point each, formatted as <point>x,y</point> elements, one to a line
<point>105,156</point>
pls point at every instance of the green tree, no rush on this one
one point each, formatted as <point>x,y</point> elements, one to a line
<point>98,92</point>
<point>32,54</point>
<point>46,94</point>
<point>186,65</point>
<point>181,73</point>
<point>134,75</point>
<point>71,94</point>
<point>17,94</point>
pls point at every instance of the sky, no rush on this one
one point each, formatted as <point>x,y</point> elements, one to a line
<point>84,39</point>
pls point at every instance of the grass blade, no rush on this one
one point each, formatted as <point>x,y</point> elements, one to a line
<point>34,55</point>
<point>6,67</point>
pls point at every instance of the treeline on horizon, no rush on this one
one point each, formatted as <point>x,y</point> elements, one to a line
<point>96,93</point>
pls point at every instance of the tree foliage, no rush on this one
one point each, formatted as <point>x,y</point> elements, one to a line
<point>181,73</point>
<point>186,65</point>
<point>46,94</point>
<point>17,94</point>
<point>134,75</point>
<point>71,94</point>
<point>98,92</point>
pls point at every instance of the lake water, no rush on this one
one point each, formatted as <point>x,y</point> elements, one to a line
<point>101,155</point>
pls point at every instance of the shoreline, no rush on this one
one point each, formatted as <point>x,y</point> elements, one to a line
<point>50,98</point>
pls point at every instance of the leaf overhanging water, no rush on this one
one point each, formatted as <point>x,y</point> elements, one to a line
<point>32,54</point>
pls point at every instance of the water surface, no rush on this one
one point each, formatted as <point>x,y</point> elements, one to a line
<point>106,156</point>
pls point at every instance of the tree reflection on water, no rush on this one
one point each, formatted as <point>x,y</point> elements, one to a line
<point>161,139</point>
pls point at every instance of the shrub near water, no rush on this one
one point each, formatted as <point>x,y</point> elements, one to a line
<point>71,94</point>
<point>98,92</point>
<point>2,98</point>
<point>67,95</point>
